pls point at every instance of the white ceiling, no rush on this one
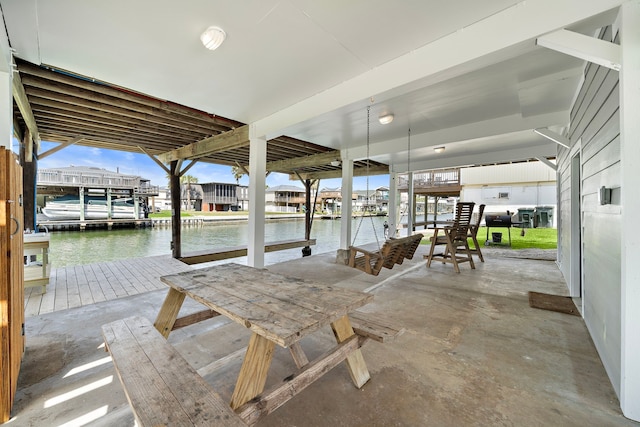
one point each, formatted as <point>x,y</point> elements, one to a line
<point>463,74</point>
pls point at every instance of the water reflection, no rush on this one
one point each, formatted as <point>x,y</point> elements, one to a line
<point>76,248</point>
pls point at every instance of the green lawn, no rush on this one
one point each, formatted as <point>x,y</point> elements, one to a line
<point>538,238</point>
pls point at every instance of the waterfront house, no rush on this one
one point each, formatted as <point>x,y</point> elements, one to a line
<point>376,200</point>
<point>284,198</point>
<point>218,196</point>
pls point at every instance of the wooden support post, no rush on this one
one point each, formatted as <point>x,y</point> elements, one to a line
<point>253,374</point>
<point>355,362</point>
<point>29,173</point>
<point>174,183</point>
<point>306,251</point>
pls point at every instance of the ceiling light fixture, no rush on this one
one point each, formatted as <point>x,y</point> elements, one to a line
<point>438,149</point>
<point>335,163</point>
<point>385,119</point>
<point>213,37</point>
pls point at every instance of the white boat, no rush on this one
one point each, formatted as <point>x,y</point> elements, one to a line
<point>67,207</point>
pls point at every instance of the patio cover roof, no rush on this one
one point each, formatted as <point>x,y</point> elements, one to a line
<point>71,109</point>
<point>474,77</point>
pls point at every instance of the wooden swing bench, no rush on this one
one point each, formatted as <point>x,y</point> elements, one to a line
<point>394,251</point>
<point>199,257</point>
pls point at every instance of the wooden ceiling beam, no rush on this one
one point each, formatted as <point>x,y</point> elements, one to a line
<point>294,147</point>
<point>34,70</point>
<point>288,165</point>
<point>235,138</point>
<point>373,170</point>
<point>35,83</point>
<point>41,111</point>
<point>92,131</point>
<point>120,111</point>
<point>122,130</point>
<point>106,137</point>
<point>17,129</point>
<point>155,159</point>
<point>97,142</point>
<point>22,101</point>
<point>60,147</point>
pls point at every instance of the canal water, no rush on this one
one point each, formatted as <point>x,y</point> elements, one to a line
<point>85,247</point>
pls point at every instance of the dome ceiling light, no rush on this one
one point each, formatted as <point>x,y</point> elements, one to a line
<point>213,37</point>
<point>385,119</point>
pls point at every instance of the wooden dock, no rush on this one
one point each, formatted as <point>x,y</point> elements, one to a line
<point>76,286</point>
<point>76,224</point>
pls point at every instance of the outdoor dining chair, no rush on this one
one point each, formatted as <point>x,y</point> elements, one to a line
<point>454,239</point>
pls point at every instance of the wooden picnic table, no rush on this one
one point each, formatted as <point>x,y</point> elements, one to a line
<point>278,310</point>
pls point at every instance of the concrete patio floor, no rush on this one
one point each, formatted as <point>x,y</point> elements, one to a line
<point>474,353</point>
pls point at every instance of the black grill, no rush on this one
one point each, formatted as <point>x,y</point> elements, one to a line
<point>496,220</point>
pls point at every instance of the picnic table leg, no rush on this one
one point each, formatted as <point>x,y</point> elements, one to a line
<point>253,374</point>
<point>355,362</point>
<point>169,312</point>
<point>298,355</point>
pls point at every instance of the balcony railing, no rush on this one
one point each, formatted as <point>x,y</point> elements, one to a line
<point>281,199</point>
<point>147,190</point>
<point>221,200</point>
<point>78,179</point>
<point>432,179</point>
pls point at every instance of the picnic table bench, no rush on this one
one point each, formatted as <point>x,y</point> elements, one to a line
<point>161,387</point>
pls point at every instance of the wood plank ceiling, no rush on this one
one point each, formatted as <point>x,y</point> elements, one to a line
<point>69,108</point>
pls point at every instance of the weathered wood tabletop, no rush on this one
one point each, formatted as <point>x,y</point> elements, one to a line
<point>278,310</point>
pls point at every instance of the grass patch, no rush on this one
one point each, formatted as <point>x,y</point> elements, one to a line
<point>167,214</point>
<point>534,238</point>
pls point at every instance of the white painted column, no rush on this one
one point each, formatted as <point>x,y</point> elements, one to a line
<point>257,183</point>
<point>82,203</point>
<point>630,202</point>
<point>393,203</point>
<point>346,211</point>
<point>110,206</point>
<point>410,204</point>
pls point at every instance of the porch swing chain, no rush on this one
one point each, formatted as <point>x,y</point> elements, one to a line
<point>367,193</point>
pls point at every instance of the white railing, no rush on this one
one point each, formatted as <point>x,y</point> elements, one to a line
<point>76,179</point>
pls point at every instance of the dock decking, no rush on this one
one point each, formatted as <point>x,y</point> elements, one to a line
<point>80,285</point>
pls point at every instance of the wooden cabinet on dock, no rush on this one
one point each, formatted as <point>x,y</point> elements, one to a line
<point>37,273</point>
<point>11,279</point>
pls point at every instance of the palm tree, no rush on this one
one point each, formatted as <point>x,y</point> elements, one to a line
<point>237,173</point>
<point>188,179</point>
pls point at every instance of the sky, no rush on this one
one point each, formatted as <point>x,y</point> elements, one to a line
<point>142,165</point>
